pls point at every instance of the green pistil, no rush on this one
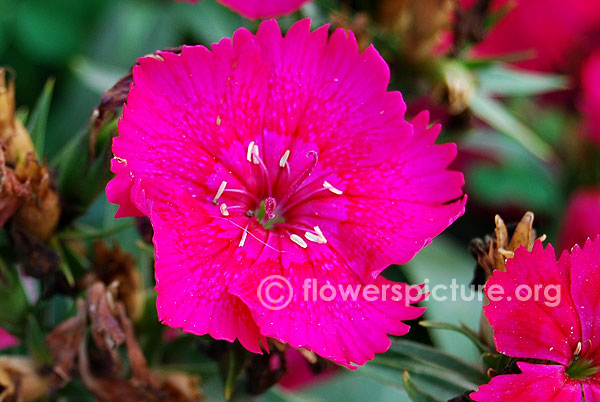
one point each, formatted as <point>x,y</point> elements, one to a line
<point>267,223</point>
<point>582,369</point>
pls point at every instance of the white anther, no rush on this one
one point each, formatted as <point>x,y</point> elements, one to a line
<point>255,155</point>
<point>284,158</point>
<point>316,238</point>
<point>249,152</point>
<point>219,120</point>
<point>298,240</point>
<point>243,238</point>
<point>578,350</point>
<point>223,209</point>
<point>220,191</point>
<point>329,187</point>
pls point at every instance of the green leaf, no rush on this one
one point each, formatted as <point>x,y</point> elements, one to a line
<point>415,393</point>
<point>98,78</point>
<point>238,357</point>
<point>462,329</point>
<point>499,80</point>
<point>429,355</point>
<point>13,301</point>
<point>443,263</point>
<point>450,381</point>
<point>80,179</point>
<point>497,116</point>
<point>35,340</point>
<point>36,125</point>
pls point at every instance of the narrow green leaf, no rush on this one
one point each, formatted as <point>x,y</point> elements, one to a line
<point>438,375</point>
<point>499,80</point>
<point>36,342</point>
<point>415,393</point>
<point>36,125</point>
<point>463,329</point>
<point>495,114</point>
<point>235,365</point>
<point>429,355</point>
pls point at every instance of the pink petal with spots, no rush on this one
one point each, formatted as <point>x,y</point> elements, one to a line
<point>304,124</point>
<point>537,383</point>
<point>533,327</point>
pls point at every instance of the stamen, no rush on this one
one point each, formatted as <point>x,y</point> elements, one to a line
<point>255,157</point>
<point>223,209</point>
<point>302,177</point>
<point>318,238</point>
<point>578,349</point>
<point>298,240</point>
<point>330,187</point>
<point>244,237</point>
<point>250,150</point>
<point>220,192</point>
<point>284,158</point>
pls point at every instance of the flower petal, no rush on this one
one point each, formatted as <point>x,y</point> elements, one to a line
<point>537,383</point>
<point>534,327</point>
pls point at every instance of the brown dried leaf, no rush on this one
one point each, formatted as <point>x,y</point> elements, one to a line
<point>64,342</point>
<point>137,360</point>
<point>113,99</point>
<point>106,331</point>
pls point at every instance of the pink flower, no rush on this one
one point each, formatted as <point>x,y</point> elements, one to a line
<point>281,156</point>
<point>255,9</point>
<point>559,326</point>
<point>581,219</point>
<point>590,78</point>
<point>7,340</point>
<point>525,28</point>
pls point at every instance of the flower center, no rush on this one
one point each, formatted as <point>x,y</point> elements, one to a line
<point>580,369</point>
<point>273,192</point>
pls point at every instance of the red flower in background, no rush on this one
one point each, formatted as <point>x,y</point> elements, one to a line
<point>590,107</point>
<point>581,219</point>
<point>553,33</point>
<point>559,326</point>
<point>271,155</point>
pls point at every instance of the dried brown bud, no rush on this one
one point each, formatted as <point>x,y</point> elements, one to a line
<point>357,23</point>
<point>419,23</point>
<point>180,386</point>
<point>12,191</point>
<point>492,252</point>
<point>40,213</point>
<point>12,132</point>
<point>113,266</point>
